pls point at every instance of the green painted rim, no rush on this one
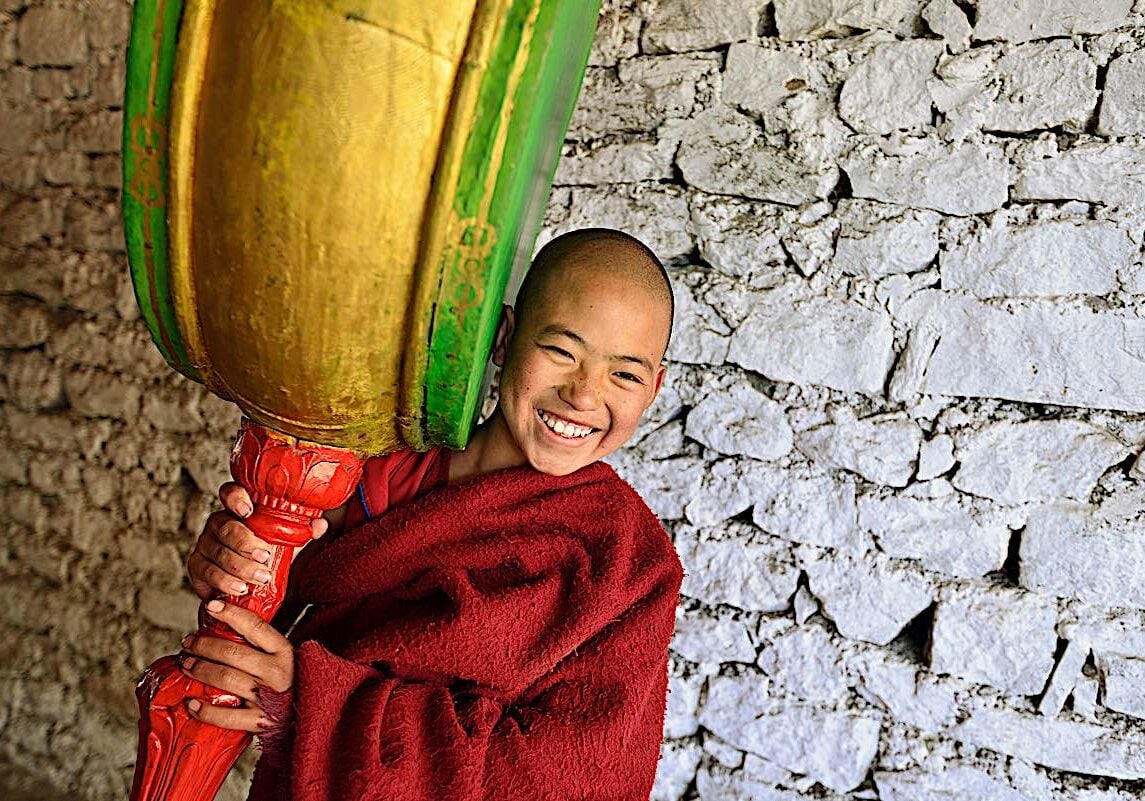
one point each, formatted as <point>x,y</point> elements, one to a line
<point>146,108</point>
<point>460,343</point>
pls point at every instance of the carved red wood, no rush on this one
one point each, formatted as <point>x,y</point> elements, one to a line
<point>290,483</point>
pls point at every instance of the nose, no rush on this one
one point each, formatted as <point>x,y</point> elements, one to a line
<point>583,389</point>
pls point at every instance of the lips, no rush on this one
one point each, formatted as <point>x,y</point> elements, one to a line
<point>565,429</point>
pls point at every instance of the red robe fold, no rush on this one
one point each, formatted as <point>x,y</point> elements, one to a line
<point>504,638</point>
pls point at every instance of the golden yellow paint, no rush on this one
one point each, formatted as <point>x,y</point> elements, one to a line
<point>190,65</point>
<point>443,229</point>
<point>294,247</point>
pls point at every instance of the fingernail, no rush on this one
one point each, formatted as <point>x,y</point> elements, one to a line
<point>190,638</point>
<point>244,509</point>
<point>215,606</point>
<point>263,576</point>
<point>188,662</point>
<point>194,705</point>
<point>261,556</point>
<point>238,589</point>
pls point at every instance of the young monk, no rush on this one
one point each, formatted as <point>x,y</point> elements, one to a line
<point>491,623</point>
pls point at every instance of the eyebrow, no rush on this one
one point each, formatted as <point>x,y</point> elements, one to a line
<point>575,337</point>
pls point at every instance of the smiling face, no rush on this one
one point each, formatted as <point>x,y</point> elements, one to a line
<point>581,364</point>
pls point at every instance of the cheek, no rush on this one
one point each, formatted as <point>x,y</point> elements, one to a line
<point>626,411</point>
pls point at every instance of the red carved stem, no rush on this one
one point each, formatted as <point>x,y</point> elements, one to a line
<point>290,483</point>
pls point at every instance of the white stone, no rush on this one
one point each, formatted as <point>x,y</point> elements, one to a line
<point>869,598</point>
<point>640,94</point>
<point>680,715</point>
<point>811,242</point>
<point>906,691</point>
<point>834,748</point>
<point>945,18</point>
<point>727,490</point>
<point>655,215</point>
<point>1015,89</point>
<point>1085,697</point>
<point>882,449</point>
<point>935,457</point>
<point>1064,678</point>
<point>1122,683</point>
<point>994,635</point>
<point>955,782</point>
<point>1037,352</point>
<point>663,442</point>
<point>664,484</point>
<point>887,91</point>
<point>757,79</point>
<point>948,534</point>
<point>757,768</point>
<point>808,125</point>
<point>726,755</point>
<point>1056,743</point>
<point>876,239</point>
<point>815,19</point>
<point>840,344</point>
<point>678,25</point>
<point>1062,257</point>
<point>807,507</point>
<point>741,421</point>
<point>806,663</point>
<point>1123,101</point>
<point>971,178</point>
<point>715,785</point>
<point>1036,460</point>
<point>744,570</point>
<point>1022,20</point>
<point>615,163</point>
<point>963,87</point>
<point>1042,85</point>
<point>676,770</point>
<point>1120,631</point>
<point>1078,551</point>
<point>617,35</point>
<point>705,639</point>
<point>742,238</point>
<point>699,334</point>
<point>1108,173</point>
<point>724,155</point>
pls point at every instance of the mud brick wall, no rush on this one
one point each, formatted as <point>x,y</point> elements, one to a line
<point>899,447</point>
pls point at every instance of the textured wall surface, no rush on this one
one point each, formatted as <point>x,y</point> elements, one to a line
<point>898,450</point>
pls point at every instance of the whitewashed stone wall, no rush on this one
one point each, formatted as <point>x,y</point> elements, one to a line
<point>898,447</point>
<point>898,451</point>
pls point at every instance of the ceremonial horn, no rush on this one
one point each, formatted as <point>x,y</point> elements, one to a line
<point>324,203</point>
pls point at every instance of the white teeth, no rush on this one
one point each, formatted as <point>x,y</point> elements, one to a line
<point>565,428</point>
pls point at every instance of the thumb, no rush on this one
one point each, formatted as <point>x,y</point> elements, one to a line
<point>318,527</point>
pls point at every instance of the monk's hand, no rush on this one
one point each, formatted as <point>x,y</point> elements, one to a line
<point>267,661</point>
<point>228,558</point>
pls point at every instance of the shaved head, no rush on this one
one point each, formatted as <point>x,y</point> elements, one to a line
<point>602,250</point>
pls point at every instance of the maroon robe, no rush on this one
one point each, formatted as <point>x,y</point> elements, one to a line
<point>503,638</point>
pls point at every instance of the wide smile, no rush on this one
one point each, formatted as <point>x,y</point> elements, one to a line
<point>565,430</point>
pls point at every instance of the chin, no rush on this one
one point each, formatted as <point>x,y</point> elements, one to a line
<point>558,467</point>
<point>557,470</point>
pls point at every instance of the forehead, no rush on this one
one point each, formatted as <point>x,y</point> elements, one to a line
<point>609,308</point>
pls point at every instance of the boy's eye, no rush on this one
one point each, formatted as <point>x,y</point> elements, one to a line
<point>629,377</point>
<point>558,351</point>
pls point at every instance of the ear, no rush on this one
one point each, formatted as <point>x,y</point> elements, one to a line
<point>657,383</point>
<point>504,335</point>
